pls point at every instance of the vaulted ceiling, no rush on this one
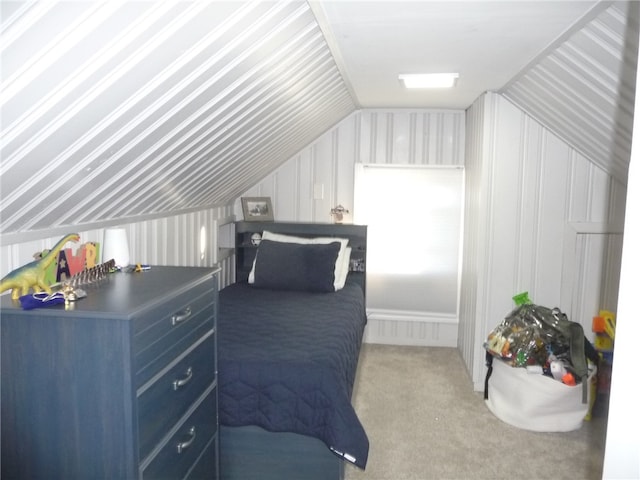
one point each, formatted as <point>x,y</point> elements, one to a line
<point>129,109</point>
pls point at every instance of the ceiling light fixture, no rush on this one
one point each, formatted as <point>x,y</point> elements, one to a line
<point>428,80</point>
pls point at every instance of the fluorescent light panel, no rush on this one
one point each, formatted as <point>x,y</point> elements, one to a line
<point>428,80</point>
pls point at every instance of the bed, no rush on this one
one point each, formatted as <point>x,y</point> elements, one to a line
<point>289,337</point>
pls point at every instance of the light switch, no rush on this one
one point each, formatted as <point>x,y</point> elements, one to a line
<point>318,191</point>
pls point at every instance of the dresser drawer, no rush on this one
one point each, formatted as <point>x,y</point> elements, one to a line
<point>161,405</point>
<point>207,465</point>
<point>173,333</point>
<point>155,322</point>
<point>183,449</point>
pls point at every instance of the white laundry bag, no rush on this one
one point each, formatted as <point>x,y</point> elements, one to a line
<point>535,402</point>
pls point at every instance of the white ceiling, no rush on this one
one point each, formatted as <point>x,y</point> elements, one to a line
<point>487,42</point>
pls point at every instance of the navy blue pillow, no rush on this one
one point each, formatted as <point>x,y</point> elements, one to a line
<point>295,266</point>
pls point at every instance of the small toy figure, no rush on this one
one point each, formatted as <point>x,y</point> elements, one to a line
<point>32,275</point>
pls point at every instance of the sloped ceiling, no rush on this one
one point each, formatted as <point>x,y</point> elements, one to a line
<point>584,89</point>
<point>123,110</point>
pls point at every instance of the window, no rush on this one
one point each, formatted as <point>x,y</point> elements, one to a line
<point>414,218</point>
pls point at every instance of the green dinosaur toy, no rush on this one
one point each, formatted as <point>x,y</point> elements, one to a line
<point>32,275</point>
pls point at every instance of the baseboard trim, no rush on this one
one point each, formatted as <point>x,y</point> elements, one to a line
<point>411,328</point>
<point>410,316</point>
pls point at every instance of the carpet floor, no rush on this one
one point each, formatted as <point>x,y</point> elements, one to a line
<point>424,421</point>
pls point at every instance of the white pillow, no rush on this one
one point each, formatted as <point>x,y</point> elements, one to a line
<point>342,262</point>
<point>344,271</point>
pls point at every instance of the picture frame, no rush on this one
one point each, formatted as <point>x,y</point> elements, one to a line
<point>257,209</point>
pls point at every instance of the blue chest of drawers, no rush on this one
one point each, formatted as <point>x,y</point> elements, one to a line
<point>122,384</point>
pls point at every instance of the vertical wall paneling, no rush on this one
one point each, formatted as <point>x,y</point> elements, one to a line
<point>538,219</point>
<point>590,270</point>
<point>421,137</point>
<point>474,234</point>
<point>394,331</point>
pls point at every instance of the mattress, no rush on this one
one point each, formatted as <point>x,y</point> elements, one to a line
<point>287,362</point>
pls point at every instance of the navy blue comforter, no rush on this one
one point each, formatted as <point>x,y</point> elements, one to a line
<point>287,362</point>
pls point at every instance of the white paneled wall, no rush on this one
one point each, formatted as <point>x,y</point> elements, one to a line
<point>424,137</point>
<point>473,281</point>
<point>539,218</point>
<point>165,241</point>
<point>420,137</point>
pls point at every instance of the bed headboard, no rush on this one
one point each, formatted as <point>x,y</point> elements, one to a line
<point>245,250</point>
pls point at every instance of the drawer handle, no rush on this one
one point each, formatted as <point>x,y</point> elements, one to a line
<point>180,317</point>
<point>183,381</point>
<point>184,445</point>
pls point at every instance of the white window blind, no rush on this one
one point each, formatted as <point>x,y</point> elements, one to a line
<point>414,218</point>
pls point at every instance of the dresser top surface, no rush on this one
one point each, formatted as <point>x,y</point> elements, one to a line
<point>123,294</point>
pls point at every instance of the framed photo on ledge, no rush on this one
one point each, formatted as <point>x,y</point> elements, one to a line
<point>257,209</point>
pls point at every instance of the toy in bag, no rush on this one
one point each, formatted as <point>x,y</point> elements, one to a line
<point>533,335</point>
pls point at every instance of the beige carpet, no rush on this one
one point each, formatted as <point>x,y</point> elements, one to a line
<point>424,421</point>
